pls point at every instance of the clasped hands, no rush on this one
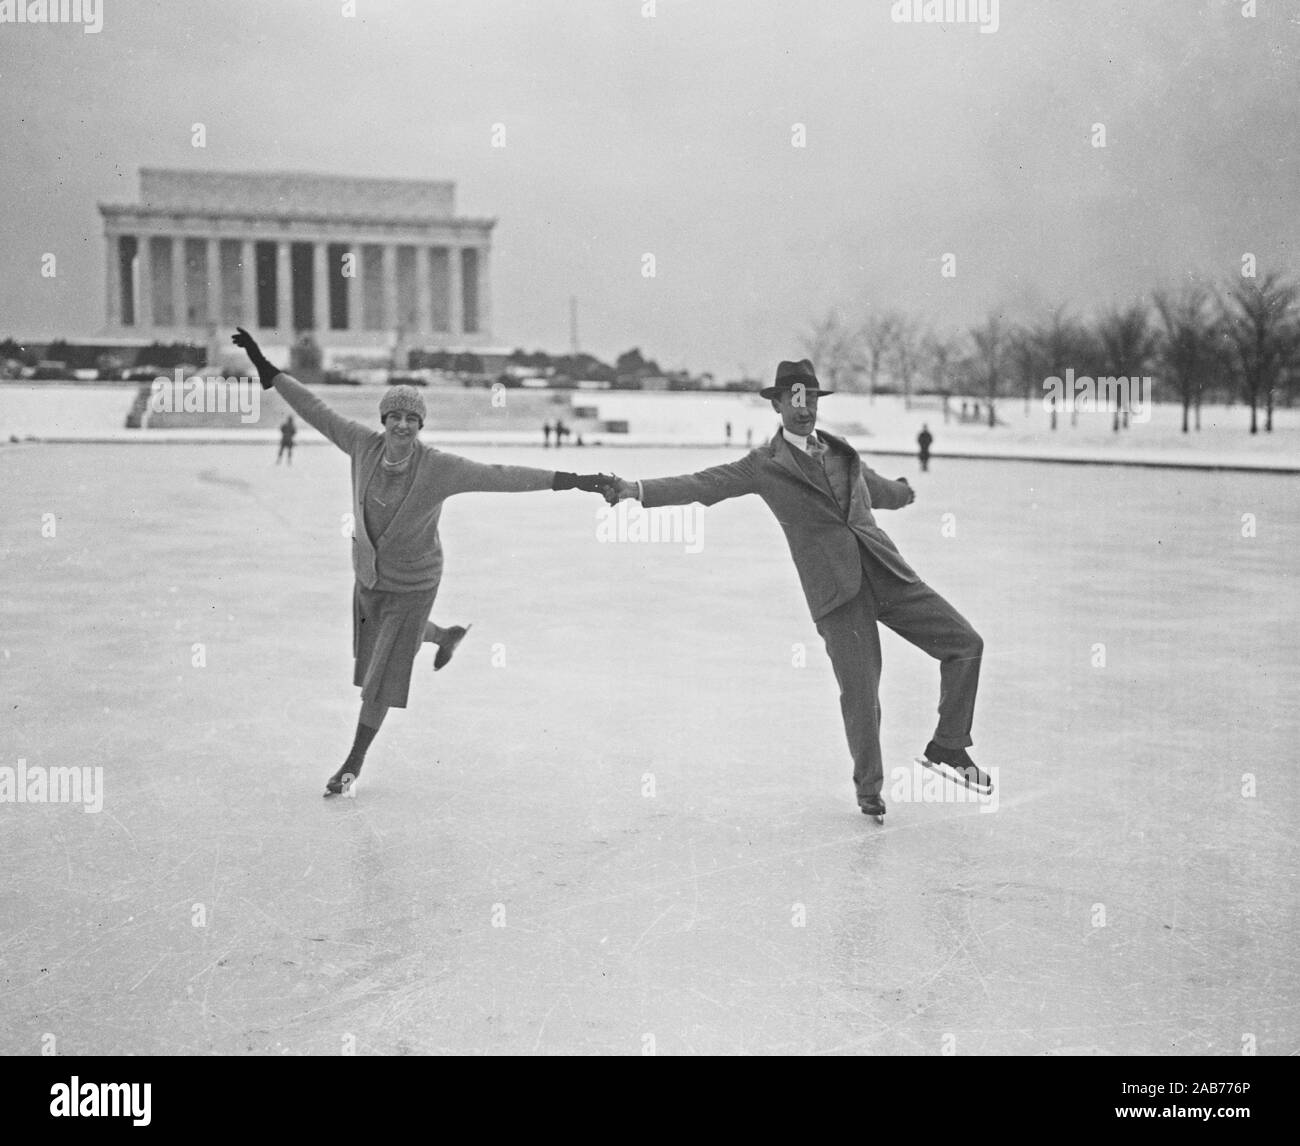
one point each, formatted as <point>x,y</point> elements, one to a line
<point>612,489</point>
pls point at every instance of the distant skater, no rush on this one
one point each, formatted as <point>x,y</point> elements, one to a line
<point>923,441</point>
<point>398,489</point>
<point>287,431</point>
<point>728,429</point>
<point>546,435</point>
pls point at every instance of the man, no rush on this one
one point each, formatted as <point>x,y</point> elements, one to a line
<point>398,487</point>
<point>851,572</point>
<point>924,440</point>
<point>287,431</point>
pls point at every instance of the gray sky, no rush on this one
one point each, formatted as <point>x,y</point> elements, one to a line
<point>672,135</point>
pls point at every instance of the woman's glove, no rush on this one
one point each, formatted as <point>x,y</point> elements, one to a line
<point>588,483</point>
<point>265,371</point>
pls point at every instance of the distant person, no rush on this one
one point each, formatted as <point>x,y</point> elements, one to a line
<point>578,440</point>
<point>561,432</point>
<point>965,411</point>
<point>546,435</point>
<point>287,432</point>
<point>749,438</point>
<point>728,433</point>
<point>923,440</point>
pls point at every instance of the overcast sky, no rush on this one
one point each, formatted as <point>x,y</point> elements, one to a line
<point>672,135</point>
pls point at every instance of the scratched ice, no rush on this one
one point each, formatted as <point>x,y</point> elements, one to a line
<point>622,819</point>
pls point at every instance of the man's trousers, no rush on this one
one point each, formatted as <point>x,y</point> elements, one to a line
<point>919,615</point>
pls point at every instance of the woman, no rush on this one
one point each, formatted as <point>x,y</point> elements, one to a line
<point>398,487</point>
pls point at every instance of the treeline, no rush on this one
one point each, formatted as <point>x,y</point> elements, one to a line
<point>1197,344</point>
<point>630,369</point>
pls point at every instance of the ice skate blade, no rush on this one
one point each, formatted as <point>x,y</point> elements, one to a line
<point>348,788</point>
<point>947,773</point>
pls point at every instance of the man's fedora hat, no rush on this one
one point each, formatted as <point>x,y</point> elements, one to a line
<point>792,374</point>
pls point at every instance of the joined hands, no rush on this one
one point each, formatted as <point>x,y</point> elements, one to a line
<point>613,489</point>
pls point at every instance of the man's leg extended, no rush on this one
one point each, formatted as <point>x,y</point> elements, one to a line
<point>853,644</point>
<point>919,615</point>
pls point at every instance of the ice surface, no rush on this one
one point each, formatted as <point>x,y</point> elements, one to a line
<point>516,788</point>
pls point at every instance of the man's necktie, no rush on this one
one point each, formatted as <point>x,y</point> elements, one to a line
<point>816,449</point>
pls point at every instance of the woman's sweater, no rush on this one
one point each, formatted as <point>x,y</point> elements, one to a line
<point>407,556</point>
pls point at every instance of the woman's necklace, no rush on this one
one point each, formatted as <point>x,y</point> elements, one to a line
<point>392,469</point>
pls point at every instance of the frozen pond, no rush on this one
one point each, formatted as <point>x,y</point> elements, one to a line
<point>622,819</point>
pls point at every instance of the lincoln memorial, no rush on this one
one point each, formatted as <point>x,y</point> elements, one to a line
<point>352,262</point>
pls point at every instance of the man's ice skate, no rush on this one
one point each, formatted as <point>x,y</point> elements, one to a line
<point>956,765</point>
<point>874,807</point>
<point>447,647</point>
<point>344,781</point>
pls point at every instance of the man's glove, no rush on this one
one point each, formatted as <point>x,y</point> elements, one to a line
<point>589,483</point>
<point>265,371</point>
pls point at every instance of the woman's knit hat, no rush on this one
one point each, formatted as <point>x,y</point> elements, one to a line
<point>406,399</point>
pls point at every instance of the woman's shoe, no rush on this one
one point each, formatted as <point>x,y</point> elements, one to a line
<point>344,781</point>
<point>446,648</point>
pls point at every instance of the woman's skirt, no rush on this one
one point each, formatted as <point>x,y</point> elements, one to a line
<point>387,630</point>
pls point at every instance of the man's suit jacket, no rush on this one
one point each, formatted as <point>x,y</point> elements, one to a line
<point>826,544</point>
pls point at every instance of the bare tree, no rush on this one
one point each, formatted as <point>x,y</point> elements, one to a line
<point>939,354</point>
<point>989,359</point>
<point>1026,360</point>
<point>1127,345</point>
<point>876,335</point>
<point>1067,344</point>
<point>904,353</point>
<point>1188,344</point>
<point>1260,321</point>
<point>835,352</point>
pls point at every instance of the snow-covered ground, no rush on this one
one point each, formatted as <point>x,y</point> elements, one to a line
<point>885,426</point>
<point>622,819</point>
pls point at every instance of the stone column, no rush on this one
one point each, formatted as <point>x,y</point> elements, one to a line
<point>390,320</point>
<point>144,284</point>
<point>354,289</point>
<point>112,297</point>
<point>180,319</point>
<point>248,283</point>
<point>484,295</point>
<point>423,290</point>
<point>283,290</point>
<point>215,301</point>
<point>320,289</point>
<point>455,300</point>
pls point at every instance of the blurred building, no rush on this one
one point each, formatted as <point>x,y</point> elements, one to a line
<point>352,264</point>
